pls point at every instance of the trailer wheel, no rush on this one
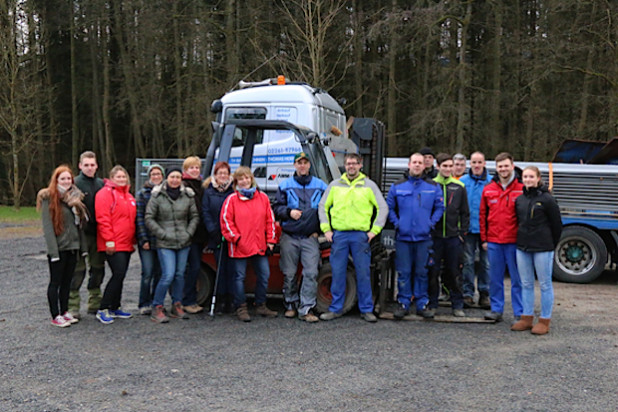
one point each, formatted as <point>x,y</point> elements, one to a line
<point>324,296</point>
<point>205,285</point>
<point>580,256</point>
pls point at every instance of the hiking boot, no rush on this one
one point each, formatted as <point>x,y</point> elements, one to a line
<point>468,301</point>
<point>263,310</point>
<point>105,317</point>
<point>290,313</point>
<point>158,315</point>
<point>243,313</point>
<point>178,312</point>
<point>369,317</point>
<point>524,323</point>
<point>195,308</point>
<point>70,318</point>
<point>401,311</point>
<point>491,315</point>
<point>119,313</point>
<point>145,310</point>
<point>459,313</point>
<point>309,318</point>
<point>484,301</point>
<point>330,315</point>
<point>427,313</point>
<point>60,321</point>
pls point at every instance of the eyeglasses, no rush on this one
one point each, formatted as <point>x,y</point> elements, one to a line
<point>352,163</point>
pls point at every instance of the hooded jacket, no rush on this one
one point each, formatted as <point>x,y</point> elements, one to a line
<point>415,207</point>
<point>456,218</point>
<point>115,210</point>
<point>540,223</point>
<point>474,189</point>
<point>497,217</point>
<point>303,193</point>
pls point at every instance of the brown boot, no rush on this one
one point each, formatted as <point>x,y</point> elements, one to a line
<point>178,312</point>
<point>524,323</point>
<point>158,315</point>
<point>264,311</point>
<point>243,313</point>
<point>542,327</point>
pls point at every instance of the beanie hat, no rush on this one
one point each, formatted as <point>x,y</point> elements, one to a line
<point>173,169</point>
<point>155,166</point>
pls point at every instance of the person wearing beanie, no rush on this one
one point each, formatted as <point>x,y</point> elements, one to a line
<point>428,160</point>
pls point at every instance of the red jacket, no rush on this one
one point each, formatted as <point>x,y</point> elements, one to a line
<point>115,210</point>
<point>498,219</point>
<point>247,224</point>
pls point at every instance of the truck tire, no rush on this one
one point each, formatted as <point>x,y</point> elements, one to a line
<point>205,285</point>
<point>324,296</point>
<point>580,256</point>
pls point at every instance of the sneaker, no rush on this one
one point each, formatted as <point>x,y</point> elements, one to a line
<point>60,321</point>
<point>491,315</point>
<point>263,310</point>
<point>290,313</point>
<point>459,313</point>
<point>468,301</point>
<point>105,317</point>
<point>75,314</point>
<point>427,313</point>
<point>309,317</point>
<point>158,315</point>
<point>178,312</point>
<point>243,313</point>
<point>119,313</point>
<point>484,301</point>
<point>195,308</point>
<point>330,315</point>
<point>145,310</point>
<point>401,311</point>
<point>70,318</point>
<point>369,317</point>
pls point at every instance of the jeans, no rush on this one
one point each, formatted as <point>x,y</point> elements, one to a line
<point>501,256</point>
<point>357,244</point>
<point>194,263</point>
<point>542,262</point>
<point>449,251</point>
<point>411,263</point>
<point>118,264</point>
<point>61,272</point>
<point>307,250</point>
<point>151,273</point>
<point>96,261</point>
<point>262,273</point>
<point>173,265</point>
<point>472,242</point>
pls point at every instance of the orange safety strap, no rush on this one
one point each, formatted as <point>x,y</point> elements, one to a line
<point>551,176</point>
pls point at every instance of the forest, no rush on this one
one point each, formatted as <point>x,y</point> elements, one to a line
<point>136,78</point>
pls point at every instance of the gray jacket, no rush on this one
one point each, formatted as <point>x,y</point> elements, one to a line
<point>71,238</point>
<point>173,222</point>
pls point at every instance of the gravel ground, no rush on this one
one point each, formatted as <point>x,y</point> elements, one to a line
<point>287,365</point>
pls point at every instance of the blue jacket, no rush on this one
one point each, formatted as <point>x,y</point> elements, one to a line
<point>415,205</point>
<point>303,193</point>
<point>474,188</point>
<point>212,202</point>
<point>143,234</point>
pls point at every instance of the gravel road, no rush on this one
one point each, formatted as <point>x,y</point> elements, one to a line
<point>286,365</point>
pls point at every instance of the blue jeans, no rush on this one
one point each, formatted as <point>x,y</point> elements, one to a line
<point>346,243</point>
<point>542,262</point>
<point>262,273</point>
<point>411,263</point>
<point>472,242</point>
<point>151,273</point>
<point>501,256</point>
<point>173,264</point>
<point>194,263</point>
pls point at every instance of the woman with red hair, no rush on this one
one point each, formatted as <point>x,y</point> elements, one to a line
<point>63,215</point>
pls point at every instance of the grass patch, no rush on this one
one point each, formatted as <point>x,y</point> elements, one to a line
<point>9,214</point>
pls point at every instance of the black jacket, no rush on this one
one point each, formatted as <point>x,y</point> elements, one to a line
<point>212,202</point>
<point>538,217</point>
<point>200,236</point>
<point>456,215</point>
<point>89,187</point>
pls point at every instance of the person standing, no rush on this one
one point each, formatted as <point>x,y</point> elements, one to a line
<point>415,206</point>
<point>540,227</point>
<point>191,177</point>
<point>248,225</point>
<point>147,243</point>
<point>475,181</point>
<point>296,205</point>
<point>116,212</point>
<point>346,212</point>
<point>217,188</point>
<point>428,160</point>
<point>498,223</point>
<point>89,184</point>
<point>448,237</point>
<point>63,216</point>
<point>459,165</point>
<point>171,215</point>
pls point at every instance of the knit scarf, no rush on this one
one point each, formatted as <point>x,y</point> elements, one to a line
<point>221,187</point>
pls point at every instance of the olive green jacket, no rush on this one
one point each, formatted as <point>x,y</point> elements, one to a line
<point>71,238</point>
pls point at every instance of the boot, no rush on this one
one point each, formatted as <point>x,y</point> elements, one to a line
<point>243,313</point>
<point>524,323</point>
<point>264,311</point>
<point>178,312</point>
<point>158,315</point>
<point>542,327</point>
<point>484,302</point>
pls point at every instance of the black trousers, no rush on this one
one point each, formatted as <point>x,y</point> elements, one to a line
<point>118,263</point>
<point>61,272</point>
<point>447,252</point>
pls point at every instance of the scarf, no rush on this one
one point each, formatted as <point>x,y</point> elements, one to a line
<point>173,193</point>
<point>221,187</point>
<point>248,193</point>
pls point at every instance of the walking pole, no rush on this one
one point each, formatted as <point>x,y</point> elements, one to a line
<point>214,291</point>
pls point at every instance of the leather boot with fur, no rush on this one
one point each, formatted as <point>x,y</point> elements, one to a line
<point>542,327</point>
<point>524,323</point>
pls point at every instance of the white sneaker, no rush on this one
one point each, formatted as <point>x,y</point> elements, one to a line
<point>70,318</point>
<point>60,321</point>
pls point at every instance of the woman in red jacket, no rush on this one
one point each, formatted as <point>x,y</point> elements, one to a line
<point>115,211</point>
<point>248,225</point>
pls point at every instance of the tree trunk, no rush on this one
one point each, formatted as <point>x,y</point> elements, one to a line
<point>391,106</point>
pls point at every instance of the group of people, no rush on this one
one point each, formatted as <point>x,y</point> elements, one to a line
<point>438,211</point>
